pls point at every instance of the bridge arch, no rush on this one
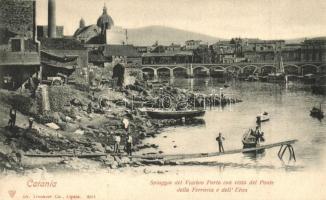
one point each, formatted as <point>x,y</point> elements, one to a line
<point>217,71</point>
<point>180,71</point>
<point>233,68</point>
<point>217,68</point>
<point>267,69</point>
<point>148,73</point>
<point>309,69</point>
<point>291,69</point>
<point>199,71</point>
<point>322,69</point>
<point>249,69</point>
<point>164,72</point>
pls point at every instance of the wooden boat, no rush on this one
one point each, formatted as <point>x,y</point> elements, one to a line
<point>250,140</point>
<point>317,112</point>
<point>263,117</point>
<point>175,114</point>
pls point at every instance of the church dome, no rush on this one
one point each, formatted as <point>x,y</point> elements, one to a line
<point>105,20</point>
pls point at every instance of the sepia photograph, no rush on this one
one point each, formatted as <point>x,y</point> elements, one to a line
<point>162,99</point>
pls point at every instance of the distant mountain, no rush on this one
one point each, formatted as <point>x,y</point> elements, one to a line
<point>294,41</point>
<point>147,36</point>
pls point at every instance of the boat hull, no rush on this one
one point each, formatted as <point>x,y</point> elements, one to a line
<point>252,145</point>
<point>175,114</point>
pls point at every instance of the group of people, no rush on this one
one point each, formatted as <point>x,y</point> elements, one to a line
<point>12,119</point>
<point>128,144</point>
<point>128,140</point>
<point>259,135</point>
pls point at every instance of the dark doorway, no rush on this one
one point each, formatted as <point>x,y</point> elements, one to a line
<point>118,74</point>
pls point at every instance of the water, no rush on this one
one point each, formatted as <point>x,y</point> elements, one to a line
<point>289,108</point>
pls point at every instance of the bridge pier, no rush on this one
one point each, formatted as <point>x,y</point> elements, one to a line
<point>155,78</point>
<point>190,72</point>
<point>171,74</point>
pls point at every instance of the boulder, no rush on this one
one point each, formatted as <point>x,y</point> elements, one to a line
<point>56,117</point>
<point>70,127</point>
<point>96,146</point>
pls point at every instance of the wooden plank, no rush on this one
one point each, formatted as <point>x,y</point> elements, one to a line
<point>201,155</point>
<point>66,155</point>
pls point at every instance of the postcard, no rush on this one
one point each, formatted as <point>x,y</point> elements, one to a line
<point>162,99</point>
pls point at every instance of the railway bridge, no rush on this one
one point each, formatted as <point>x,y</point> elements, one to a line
<point>155,71</point>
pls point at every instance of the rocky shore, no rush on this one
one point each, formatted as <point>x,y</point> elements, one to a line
<point>81,123</point>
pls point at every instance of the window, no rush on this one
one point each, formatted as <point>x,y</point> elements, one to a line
<point>16,45</point>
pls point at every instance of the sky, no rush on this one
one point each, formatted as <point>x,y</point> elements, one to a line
<point>265,19</point>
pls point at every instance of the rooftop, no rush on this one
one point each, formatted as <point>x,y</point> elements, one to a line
<point>121,50</point>
<point>61,44</point>
<point>169,53</point>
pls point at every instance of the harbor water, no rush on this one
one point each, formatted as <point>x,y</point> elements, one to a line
<point>289,109</point>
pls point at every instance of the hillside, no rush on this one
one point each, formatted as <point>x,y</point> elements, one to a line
<point>165,35</point>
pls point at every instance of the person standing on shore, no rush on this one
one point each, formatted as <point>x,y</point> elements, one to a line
<point>30,122</point>
<point>117,140</point>
<point>129,144</point>
<point>12,118</point>
<point>220,139</point>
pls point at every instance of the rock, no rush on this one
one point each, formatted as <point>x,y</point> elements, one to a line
<point>91,126</point>
<point>149,124</point>
<point>76,102</point>
<point>114,165</point>
<point>79,132</point>
<point>175,146</point>
<point>97,147</point>
<point>125,160</point>
<point>56,117</point>
<point>169,162</point>
<point>109,159</point>
<point>152,162</point>
<point>154,146</point>
<point>70,127</point>
<point>78,118</point>
<point>108,149</point>
<point>68,119</point>
<point>7,165</point>
<point>53,126</point>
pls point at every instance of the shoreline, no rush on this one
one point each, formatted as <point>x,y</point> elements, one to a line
<point>83,132</point>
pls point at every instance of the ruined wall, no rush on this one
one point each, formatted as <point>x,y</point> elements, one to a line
<point>18,16</point>
<point>82,55</point>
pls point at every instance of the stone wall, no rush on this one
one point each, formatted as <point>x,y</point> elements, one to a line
<point>18,16</point>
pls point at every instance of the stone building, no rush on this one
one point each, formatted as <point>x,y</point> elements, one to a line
<point>102,55</point>
<point>95,33</point>
<point>19,49</point>
<point>42,31</point>
<point>65,47</point>
<point>314,50</point>
<point>192,44</point>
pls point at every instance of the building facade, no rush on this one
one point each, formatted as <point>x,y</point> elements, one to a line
<point>19,49</point>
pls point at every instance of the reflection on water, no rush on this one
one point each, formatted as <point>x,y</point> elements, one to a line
<point>289,108</point>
